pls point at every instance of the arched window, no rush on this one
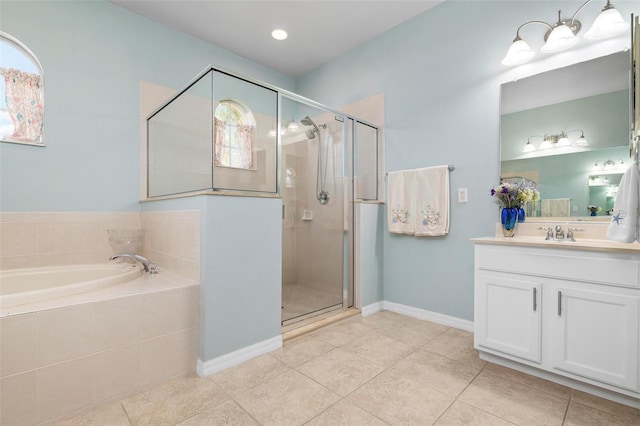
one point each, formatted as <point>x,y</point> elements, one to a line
<point>234,135</point>
<point>21,93</point>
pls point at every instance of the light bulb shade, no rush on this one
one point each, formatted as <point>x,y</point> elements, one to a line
<point>546,144</point>
<point>582,141</point>
<point>563,141</point>
<point>518,53</point>
<point>272,133</point>
<point>292,127</point>
<point>560,38</point>
<point>529,147</point>
<point>608,24</point>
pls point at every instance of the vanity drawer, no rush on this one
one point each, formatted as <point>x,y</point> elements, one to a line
<point>599,268</point>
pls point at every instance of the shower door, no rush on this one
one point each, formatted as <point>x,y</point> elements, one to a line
<point>315,226</point>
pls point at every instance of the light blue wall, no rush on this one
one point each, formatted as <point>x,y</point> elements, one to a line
<point>94,55</point>
<point>441,76</point>
<point>240,276</point>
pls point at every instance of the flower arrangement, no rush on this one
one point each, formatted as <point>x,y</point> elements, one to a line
<point>515,195</point>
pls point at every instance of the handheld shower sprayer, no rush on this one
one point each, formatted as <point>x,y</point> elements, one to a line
<point>322,195</point>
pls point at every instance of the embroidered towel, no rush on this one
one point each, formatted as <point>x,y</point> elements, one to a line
<point>624,222</point>
<point>401,202</point>
<point>432,201</point>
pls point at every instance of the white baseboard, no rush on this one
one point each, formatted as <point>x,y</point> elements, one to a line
<point>222,362</point>
<point>365,311</point>
<point>422,314</point>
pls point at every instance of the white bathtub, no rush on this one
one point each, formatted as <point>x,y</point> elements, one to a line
<point>21,286</point>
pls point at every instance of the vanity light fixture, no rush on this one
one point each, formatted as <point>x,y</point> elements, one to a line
<point>562,35</point>
<point>606,167</point>
<point>555,141</point>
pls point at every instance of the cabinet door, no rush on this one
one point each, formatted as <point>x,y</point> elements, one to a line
<point>595,335</point>
<point>508,315</point>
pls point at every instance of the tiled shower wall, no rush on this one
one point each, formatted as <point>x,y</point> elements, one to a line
<point>32,239</point>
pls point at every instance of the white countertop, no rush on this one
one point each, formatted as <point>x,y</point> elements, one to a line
<point>579,244</point>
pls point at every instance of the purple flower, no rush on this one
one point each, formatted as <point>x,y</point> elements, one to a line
<point>493,192</point>
<point>505,190</point>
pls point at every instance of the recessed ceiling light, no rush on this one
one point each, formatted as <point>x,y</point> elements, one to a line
<point>279,34</point>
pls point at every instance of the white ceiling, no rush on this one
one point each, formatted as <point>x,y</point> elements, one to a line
<point>319,30</point>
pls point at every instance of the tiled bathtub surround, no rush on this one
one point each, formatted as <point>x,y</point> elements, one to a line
<point>59,238</point>
<point>172,240</point>
<point>64,359</point>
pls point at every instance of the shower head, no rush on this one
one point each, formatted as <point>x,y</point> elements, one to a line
<point>307,121</point>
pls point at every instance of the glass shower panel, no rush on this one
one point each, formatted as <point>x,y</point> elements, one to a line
<point>366,161</point>
<point>259,106</point>
<point>179,146</point>
<point>313,181</point>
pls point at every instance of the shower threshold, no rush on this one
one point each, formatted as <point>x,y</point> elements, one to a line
<point>320,319</point>
<point>311,314</point>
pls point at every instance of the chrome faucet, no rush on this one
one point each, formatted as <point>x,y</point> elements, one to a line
<point>148,266</point>
<point>559,233</point>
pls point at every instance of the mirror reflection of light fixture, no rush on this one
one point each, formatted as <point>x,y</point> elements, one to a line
<point>555,140</point>
<point>563,34</point>
<point>608,167</point>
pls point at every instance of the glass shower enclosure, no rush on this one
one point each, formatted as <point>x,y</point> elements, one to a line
<point>227,133</point>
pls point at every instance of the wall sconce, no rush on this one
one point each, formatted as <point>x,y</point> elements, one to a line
<point>558,140</point>
<point>562,35</point>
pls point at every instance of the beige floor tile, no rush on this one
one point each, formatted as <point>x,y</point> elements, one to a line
<point>341,371</point>
<point>228,413</point>
<point>380,349</point>
<point>111,414</point>
<point>345,413</point>
<point>514,401</point>
<point>583,415</point>
<point>527,379</point>
<point>457,345</point>
<point>429,328</point>
<point>381,319</point>
<point>624,411</point>
<point>288,399</point>
<point>297,351</point>
<point>341,333</point>
<point>242,377</point>
<point>443,374</point>
<point>174,401</point>
<point>399,400</point>
<point>464,414</point>
<point>412,336</point>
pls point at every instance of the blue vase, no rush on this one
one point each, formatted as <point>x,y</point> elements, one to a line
<point>521,215</point>
<point>509,221</point>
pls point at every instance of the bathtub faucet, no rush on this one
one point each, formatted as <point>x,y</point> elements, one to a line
<point>148,265</point>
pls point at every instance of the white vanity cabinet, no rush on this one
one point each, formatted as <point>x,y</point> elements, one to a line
<point>594,333</point>
<point>508,316</point>
<point>571,312</point>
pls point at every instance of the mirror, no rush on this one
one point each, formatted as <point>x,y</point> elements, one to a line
<point>568,131</point>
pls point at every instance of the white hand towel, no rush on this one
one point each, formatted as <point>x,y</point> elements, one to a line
<point>556,207</point>
<point>432,201</point>
<point>401,202</point>
<point>624,221</point>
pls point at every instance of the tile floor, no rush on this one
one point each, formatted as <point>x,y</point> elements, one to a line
<point>385,369</point>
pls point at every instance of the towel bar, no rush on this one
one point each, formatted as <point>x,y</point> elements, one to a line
<point>451,168</point>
